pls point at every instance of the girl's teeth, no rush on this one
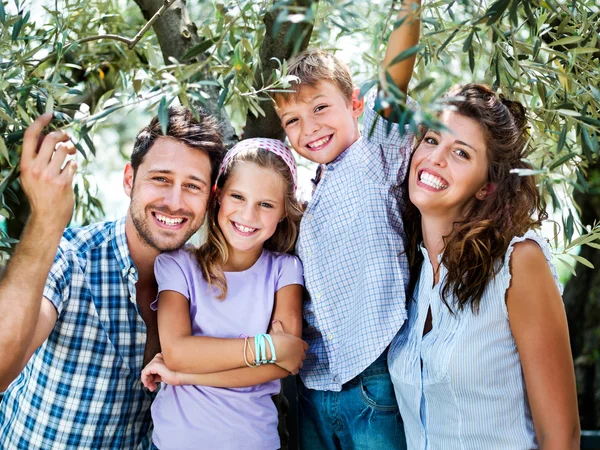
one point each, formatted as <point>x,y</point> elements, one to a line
<point>244,229</point>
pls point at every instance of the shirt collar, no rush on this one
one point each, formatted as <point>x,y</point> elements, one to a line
<point>121,249</point>
<point>331,165</point>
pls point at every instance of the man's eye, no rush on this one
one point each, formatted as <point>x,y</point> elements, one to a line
<point>160,179</point>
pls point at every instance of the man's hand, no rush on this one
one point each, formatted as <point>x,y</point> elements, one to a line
<point>45,176</point>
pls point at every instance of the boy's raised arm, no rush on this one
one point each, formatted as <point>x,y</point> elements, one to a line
<point>401,39</point>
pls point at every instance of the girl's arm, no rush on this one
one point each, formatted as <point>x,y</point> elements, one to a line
<point>287,319</point>
<point>538,322</point>
<point>186,353</point>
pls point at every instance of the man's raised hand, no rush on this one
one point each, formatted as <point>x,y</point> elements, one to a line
<point>46,175</point>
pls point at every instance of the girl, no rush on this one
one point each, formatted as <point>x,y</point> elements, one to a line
<point>212,298</point>
<point>484,360</point>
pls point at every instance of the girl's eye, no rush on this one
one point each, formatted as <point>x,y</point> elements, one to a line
<point>237,196</point>
<point>266,205</point>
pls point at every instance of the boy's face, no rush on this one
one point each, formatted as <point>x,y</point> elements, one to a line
<point>321,123</point>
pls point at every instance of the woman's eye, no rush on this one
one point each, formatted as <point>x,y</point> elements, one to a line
<point>462,154</point>
<point>430,140</point>
<point>237,196</point>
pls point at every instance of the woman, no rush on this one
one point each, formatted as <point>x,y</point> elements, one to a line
<point>484,360</point>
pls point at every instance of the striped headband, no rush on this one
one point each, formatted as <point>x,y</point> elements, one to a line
<point>271,145</point>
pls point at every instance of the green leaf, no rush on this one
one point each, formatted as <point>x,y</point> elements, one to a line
<point>561,139</point>
<point>366,87</point>
<point>566,40</point>
<point>582,260</point>
<point>568,265</point>
<point>2,13</point>
<point>406,54</point>
<point>49,103</point>
<point>198,49</point>
<point>563,159</point>
<point>163,115</point>
<point>3,150</point>
<point>495,11</point>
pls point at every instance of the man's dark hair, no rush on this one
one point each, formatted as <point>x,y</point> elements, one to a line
<point>201,132</point>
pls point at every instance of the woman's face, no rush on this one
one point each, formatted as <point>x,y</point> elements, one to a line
<point>449,169</point>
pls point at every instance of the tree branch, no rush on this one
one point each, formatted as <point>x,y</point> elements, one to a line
<point>131,43</point>
<point>277,46</point>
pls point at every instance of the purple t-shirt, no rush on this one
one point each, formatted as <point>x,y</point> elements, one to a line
<point>203,417</point>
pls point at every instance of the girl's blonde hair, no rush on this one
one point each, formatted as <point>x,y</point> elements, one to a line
<point>213,254</point>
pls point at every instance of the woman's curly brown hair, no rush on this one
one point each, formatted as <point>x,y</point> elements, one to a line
<point>475,248</point>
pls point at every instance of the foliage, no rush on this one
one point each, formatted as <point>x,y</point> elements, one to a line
<point>544,53</point>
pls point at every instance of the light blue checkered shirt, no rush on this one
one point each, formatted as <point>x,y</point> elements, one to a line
<point>81,388</point>
<point>351,246</point>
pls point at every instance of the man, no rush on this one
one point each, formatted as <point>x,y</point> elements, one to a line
<point>76,327</point>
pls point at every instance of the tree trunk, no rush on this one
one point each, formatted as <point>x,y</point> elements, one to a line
<point>176,34</point>
<point>277,46</point>
<point>582,303</point>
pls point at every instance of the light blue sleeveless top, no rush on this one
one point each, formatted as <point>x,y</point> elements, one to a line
<point>461,385</point>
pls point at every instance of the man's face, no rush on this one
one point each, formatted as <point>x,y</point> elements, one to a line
<point>321,123</point>
<point>169,194</point>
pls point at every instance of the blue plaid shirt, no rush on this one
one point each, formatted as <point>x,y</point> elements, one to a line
<point>351,246</point>
<point>81,388</point>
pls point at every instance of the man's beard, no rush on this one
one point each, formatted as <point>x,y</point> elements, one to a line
<point>140,222</point>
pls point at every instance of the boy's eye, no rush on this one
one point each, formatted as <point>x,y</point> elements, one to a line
<point>320,108</point>
<point>290,122</point>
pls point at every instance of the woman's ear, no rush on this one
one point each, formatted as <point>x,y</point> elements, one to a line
<point>487,190</point>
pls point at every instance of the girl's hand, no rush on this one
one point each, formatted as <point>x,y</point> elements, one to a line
<point>291,350</point>
<point>156,371</point>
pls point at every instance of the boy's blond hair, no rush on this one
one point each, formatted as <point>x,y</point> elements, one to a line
<point>312,67</point>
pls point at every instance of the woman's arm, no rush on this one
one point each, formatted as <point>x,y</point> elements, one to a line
<point>538,322</point>
<point>287,319</point>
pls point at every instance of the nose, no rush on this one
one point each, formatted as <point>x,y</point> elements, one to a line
<point>309,126</point>
<point>438,155</point>
<point>249,213</point>
<point>174,199</point>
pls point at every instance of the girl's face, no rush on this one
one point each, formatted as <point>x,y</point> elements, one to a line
<point>252,204</point>
<point>449,169</point>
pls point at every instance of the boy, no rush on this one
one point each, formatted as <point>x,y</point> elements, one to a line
<point>351,246</point>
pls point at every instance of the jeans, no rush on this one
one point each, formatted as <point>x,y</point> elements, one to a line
<point>364,415</point>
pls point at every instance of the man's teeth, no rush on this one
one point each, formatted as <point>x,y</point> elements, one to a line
<point>168,221</point>
<point>432,180</point>
<point>244,229</point>
<point>319,142</point>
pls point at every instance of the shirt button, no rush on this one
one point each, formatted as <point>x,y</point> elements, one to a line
<point>310,253</point>
<point>132,270</point>
<point>330,337</point>
<point>318,295</point>
<point>141,339</point>
<point>132,299</point>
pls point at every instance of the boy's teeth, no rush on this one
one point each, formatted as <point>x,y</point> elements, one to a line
<point>167,220</point>
<point>432,180</point>
<point>319,142</point>
<point>244,229</point>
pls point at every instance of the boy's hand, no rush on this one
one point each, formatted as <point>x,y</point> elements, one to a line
<point>291,350</point>
<point>156,371</point>
<point>46,175</point>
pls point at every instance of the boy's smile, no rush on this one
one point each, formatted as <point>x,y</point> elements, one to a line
<point>320,122</point>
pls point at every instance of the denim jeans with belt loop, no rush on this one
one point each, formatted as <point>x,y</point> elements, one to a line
<point>363,415</point>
